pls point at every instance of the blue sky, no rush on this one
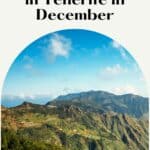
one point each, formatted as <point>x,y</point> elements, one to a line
<point>72,61</point>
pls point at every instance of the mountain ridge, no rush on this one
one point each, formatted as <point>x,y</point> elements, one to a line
<point>100,101</point>
<point>131,104</point>
<point>100,91</point>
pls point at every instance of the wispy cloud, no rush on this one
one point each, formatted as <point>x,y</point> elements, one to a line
<point>118,47</point>
<point>59,46</point>
<point>126,89</point>
<point>28,66</point>
<point>27,59</point>
<point>110,72</point>
<point>116,44</point>
<point>28,62</point>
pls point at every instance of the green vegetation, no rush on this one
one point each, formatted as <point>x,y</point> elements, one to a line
<point>13,141</point>
<point>71,126</point>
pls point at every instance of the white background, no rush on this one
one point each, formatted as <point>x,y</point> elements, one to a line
<point>129,26</point>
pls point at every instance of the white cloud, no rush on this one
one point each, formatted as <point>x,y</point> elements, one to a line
<point>118,47</point>
<point>126,89</point>
<point>28,63</point>
<point>116,44</point>
<point>124,54</point>
<point>59,46</point>
<point>113,70</point>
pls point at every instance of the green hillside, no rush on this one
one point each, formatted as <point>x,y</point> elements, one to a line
<point>71,126</point>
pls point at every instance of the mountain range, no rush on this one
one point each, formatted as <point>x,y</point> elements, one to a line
<point>102,101</point>
<point>93,120</point>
